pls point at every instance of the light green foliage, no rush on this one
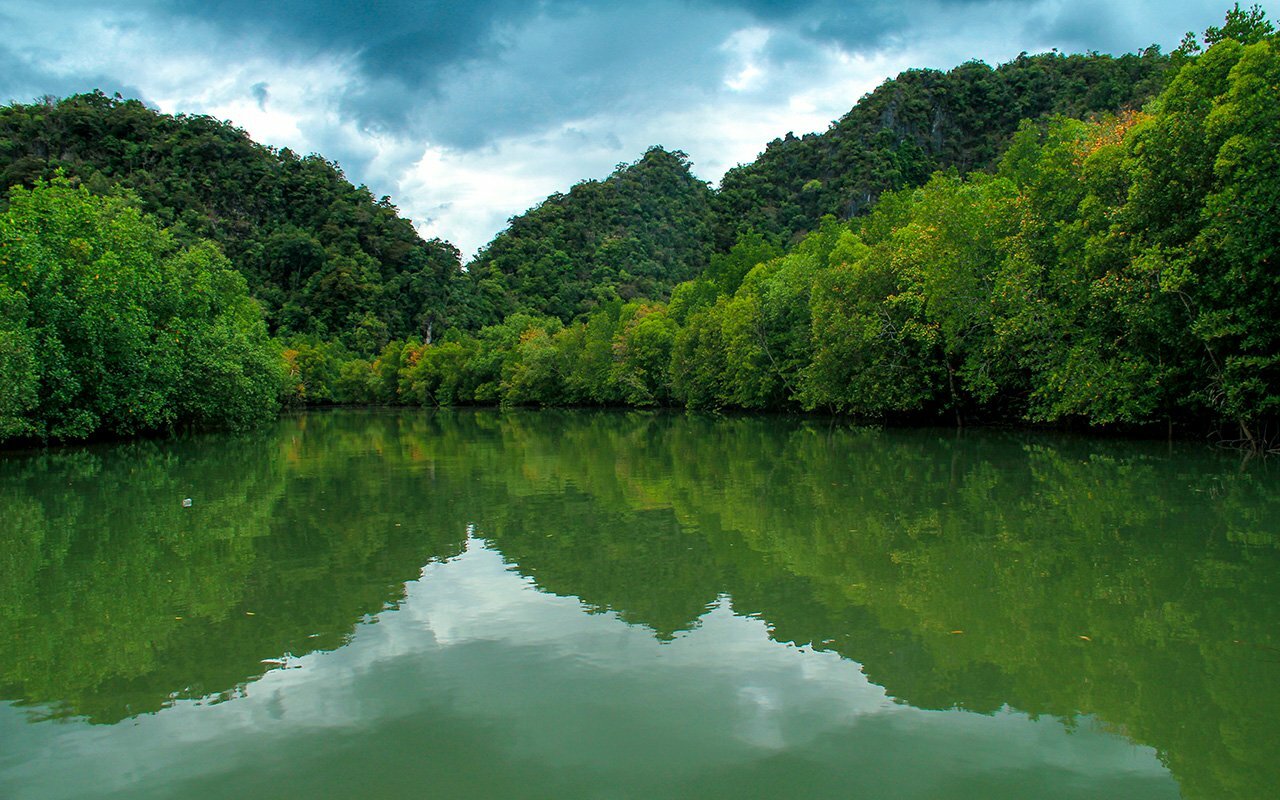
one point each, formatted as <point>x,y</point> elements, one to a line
<point>872,352</point>
<point>311,369</point>
<point>698,367</point>
<point>1240,242</point>
<point>589,356</point>
<point>903,318</point>
<point>19,364</point>
<point>642,354</point>
<point>727,270</point>
<point>230,373</point>
<point>353,383</point>
<point>749,380</point>
<point>690,297</point>
<point>436,374</point>
<point>948,256</point>
<point>766,323</point>
<point>109,326</point>
<point>534,372</point>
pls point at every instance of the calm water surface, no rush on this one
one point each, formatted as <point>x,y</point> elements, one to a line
<point>610,605</point>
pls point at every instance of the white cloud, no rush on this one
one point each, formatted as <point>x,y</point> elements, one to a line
<point>746,46</point>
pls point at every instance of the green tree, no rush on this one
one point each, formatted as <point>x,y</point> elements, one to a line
<point>110,326</point>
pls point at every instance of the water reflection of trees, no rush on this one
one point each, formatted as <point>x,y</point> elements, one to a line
<point>1108,579</point>
<point>1087,578</point>
<point>120,600</point>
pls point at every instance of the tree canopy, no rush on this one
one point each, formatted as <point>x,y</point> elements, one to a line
<point>915,124</point>
<point>635,234</point>
<point>108,324</point>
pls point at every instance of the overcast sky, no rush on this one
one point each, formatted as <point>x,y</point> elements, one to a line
<point>468,113</point>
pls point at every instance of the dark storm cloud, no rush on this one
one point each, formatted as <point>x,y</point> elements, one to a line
<point>631,61</point>
<point>1092,25</point>
<point>464,74</point>
<point>851,25</point>
<point>401,48</point>
<point>434,68</point>
<point>409,38</point>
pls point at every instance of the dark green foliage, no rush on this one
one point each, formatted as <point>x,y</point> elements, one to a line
<point>915,124</point>
<point>1245,27</point>
<point>636,234</point>
<point>108,325</point>
<point>727,270</point>
<point>323,256</point>
<point>1205,226</point>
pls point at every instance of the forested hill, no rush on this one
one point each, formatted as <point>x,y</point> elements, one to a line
<point>321,255</point>
<point>645,228</point>
<point>652,224</point>
<point>326,258</point>
<point>915,124</point>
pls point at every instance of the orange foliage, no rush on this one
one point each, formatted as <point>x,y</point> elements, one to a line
<point>1110,132</point>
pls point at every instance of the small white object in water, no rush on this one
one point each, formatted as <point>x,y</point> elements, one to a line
<point>186,503</point>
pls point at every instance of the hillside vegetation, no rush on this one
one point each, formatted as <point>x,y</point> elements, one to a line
<point>1119,270</point>
<point>652,224</point>
<point>1081,257</point>
<point>323,257</point>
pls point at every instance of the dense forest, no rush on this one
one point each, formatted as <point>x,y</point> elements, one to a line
<point>636,234</point>
<point>1061,239</point>
<point>652,224</point>
<point>916,124</point>
<point>321,256</point>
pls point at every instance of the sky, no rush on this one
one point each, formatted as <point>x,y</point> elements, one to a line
<point>469,113</point>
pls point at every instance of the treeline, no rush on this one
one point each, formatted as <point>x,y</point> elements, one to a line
<point>321,256</point>
<point>1120,270</point>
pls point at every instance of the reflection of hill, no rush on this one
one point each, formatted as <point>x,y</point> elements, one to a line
<point>121,600</point>
<point>876,545</point>
<point>1114,581</point>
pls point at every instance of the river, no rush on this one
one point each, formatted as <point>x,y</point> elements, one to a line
<point>577,604</point>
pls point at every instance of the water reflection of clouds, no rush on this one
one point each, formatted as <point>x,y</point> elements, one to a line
<point>478,651</point>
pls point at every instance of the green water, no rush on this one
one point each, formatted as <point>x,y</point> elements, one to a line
<point>601,605</point>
